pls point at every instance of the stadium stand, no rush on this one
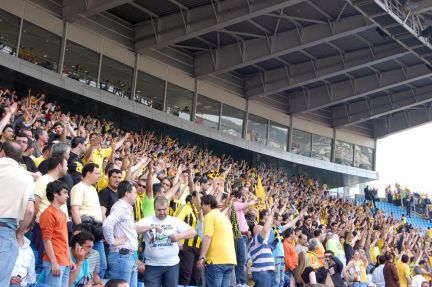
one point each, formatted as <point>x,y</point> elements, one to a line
<point>165,211</point>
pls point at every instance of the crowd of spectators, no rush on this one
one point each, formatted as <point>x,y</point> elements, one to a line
<point>85,203</point>
<point>410,200</point>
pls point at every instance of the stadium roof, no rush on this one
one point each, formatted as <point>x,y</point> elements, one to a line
<point>362,65</point>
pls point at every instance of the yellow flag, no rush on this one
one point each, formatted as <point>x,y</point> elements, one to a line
<point>259,191</point>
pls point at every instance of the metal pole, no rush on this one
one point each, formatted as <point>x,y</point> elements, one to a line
<point>134,79</point>
<point>246,118</point>
<point>100,65</point>
<point>333,149</point>
<point>220,117</point>
<point>63,48</point>
<point>290,133</point>
<point>165,96</point>
<point>268,133</point>
<point>194,101</point>
<point>20,29</point>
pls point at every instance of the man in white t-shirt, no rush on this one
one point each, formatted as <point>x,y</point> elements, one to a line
<point>161,235</point>
<point>418,278</point>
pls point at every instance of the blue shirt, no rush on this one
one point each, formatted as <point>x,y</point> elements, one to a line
<point>84,274</point>
<point>278,251</point>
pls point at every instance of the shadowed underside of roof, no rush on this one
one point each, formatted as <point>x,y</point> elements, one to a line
<point>361,65</point>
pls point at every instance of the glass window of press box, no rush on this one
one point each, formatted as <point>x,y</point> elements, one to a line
<point>363,157</point>
<point>321,147</point>
<point>116,77</point>
<point>39,46</point>
<point>232,121</point>
<point>301,143</point>
<point>344,153</point>
<point>81,64</point>
<point>207,112</point>
<point>9,29</point>
<point>257,129</point>
<point>150,91</point>
<point>278,136</point>
<point>179,101</point>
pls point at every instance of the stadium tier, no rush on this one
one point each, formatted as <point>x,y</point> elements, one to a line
<point>194,143</point>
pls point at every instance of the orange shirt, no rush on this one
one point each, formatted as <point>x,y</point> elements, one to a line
<point>291,256</point>
<point>320,252</point>
<point>53,225</point>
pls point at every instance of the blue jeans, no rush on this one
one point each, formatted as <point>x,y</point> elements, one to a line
<point>99,247</point>
<point>218,275</point>
<point>287,278</point>
<point>8,254</point>
<point>241,252</point>
<point>56,281</point>
<point>279,273</point>
<point>263,278</point>
<point>165,276</point>
<point>123,267</point>
<point>359,284</point>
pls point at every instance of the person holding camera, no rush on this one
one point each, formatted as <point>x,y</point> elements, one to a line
<point>334,267</point>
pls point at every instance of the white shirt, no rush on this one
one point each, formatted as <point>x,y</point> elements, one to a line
<point>120,223</point>
<point>417,280</point>
<point>25,264</point>
<point>16,188</point>
<point>160,250</point>
<point>378,276</point>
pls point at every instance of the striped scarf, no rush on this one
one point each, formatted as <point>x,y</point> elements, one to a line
<point>235,224</point>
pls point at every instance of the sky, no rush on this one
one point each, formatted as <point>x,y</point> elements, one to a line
<point>405,158</point>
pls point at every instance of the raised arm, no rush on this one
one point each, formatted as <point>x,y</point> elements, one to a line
<point>292,223</point>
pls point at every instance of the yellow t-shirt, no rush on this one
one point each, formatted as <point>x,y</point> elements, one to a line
<point>362,267</point>
<point>380,243</point>
<point>184,191</point>
<point>103,181</point>
<point>221,249</point>
<point>87,198</point>
<point>98,156</point>
<point>427,277</point>
<point>40,190</point>
<point>429,233</point>
<point>38,160</point>
<point>374,252</point>
<point>403,272</point>
<point>313,260</point>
